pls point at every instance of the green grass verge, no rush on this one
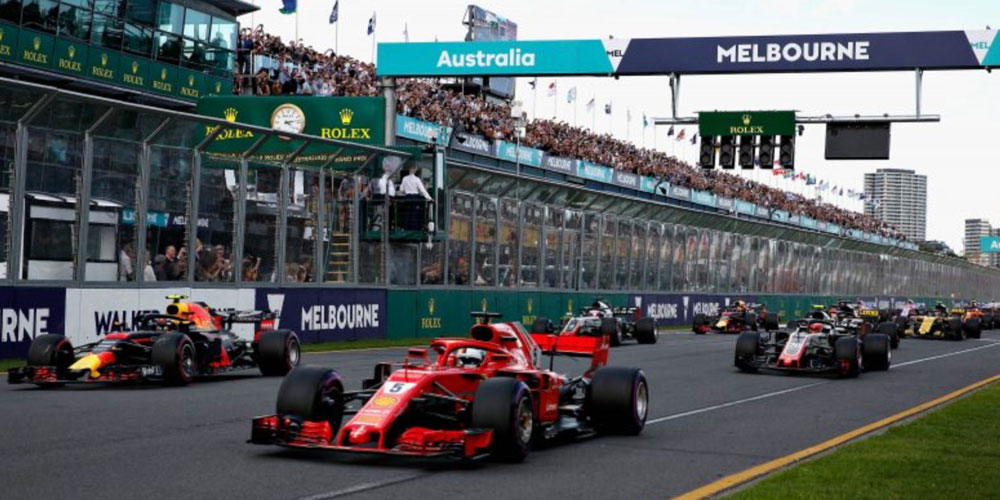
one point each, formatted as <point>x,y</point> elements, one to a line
<point>950,453</point>
<point>7,364</point>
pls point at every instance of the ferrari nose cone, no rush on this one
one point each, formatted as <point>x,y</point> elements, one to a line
<point>360,435</point>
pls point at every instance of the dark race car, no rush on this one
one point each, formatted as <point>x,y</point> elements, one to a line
<point>813,346</point>
<point>618,323</point>
<point>189,341</point>
<point>463,398</point>
<point>736,318</point>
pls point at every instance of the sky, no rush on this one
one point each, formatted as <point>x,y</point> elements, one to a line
<point>958,155</point>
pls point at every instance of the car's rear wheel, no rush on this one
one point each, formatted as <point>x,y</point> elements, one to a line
<point>610,327</point>
<point>53,351</point>
<point>504,406</point>
<point>901,326</point>
<point>278,351</point>
<point>771,321</point>
<point>312,394</point>
<point>618,400</point>
<point>700,320</point>
<point>877,352</point>
<point>890,330</point>
<point>954,327</point>
<point>175,354</point>
<point>645,330</point>
<point>973,328</point>
<point>747,347</point>
<point>847,353</point>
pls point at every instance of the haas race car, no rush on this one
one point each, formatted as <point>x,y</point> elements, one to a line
<point>814,346</point>
<point>463,398</point>
<point>735,319</point>
<point>189,341</point>
<point>618,323</point>
<point>956,323</point>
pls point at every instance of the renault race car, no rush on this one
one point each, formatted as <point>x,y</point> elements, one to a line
<point>813,346</point>
<point>735,319</point>
<point>463,398</point>
<point>618,323</point>
<point>190,340</point>
<point>955,323</point>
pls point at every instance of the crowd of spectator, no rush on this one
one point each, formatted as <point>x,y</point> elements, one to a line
<point>270,66</point>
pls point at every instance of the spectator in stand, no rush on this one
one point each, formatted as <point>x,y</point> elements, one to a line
<point>295,69</point>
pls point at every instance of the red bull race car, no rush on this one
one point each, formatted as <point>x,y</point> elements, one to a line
<point>190,340</point>
<point>736,318</point>
<point>618,323</point>
<point>461,398</point>
<point>814,346</point>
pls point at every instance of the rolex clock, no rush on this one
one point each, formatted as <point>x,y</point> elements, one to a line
<point>288,118</point>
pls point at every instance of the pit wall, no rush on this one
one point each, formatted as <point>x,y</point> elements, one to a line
<point>330,314</point>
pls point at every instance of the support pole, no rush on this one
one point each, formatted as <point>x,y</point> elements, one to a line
<point>920,80</point>
<point>675,94</point>
<point>389,92</point>
<point>83,198</point>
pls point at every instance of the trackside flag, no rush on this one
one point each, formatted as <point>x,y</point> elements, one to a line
<point>288,6</point>
<point>335,13</point>
<point>371,23</point>
<point>571,95</point>
<point>552,89</point>
<point>590,104</point>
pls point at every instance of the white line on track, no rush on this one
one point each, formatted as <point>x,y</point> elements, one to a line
<point>992,343</point>
<point>733,403</point>
<point>365,487</point>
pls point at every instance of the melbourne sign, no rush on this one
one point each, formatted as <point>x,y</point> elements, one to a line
<point>354,119</point>
<point>711,123</point>
<point>658,56</point>
<point>323,314</point>
<point>26,313</point>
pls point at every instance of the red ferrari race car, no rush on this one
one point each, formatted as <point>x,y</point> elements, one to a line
<point>190,340</point>
<point>464,398</point>
<point>736,318</point>
<point>618,323</point>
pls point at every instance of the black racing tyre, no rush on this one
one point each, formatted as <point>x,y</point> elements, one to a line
<point>609,327</point>
<point>51,350</point>
<point>504,406</point>
<point>954,329</point>
<point>973,328</point>
<point>618,400</point>
<point>847,349</point>
<point>278,351</point>
<point>771,321</point>
<point>747,347</point>
<point>892,331</point>
<point>645,330</point>
<point>901,326</point>
<point>699,320</point>
<point>541,325</point>
<point>876,352</point>
<point>751,322</point>
<point>313,394</point>
<point>175,353</point>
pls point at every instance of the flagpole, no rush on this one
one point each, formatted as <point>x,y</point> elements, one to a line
<point>576,107</point>
<point>296,24</point>
<point>336,36</point>
<point>534,100</point>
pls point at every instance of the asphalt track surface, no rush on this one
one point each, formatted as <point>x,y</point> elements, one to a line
<point>706,421</point>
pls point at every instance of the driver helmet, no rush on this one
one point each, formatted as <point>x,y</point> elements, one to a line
<point>741,305</point>
<point>815,327</point>
<point>468,357</point>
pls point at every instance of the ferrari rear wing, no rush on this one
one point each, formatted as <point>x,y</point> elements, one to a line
<point>595,348</point>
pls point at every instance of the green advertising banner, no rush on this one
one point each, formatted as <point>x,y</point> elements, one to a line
<point>711,123</point>
<point>163,78</point>
<point>191,83</point>
<point>355,119</point>
<point>8,40</point>
<point>35,48</point>
<point>133,72</point>
<point>103,65</point>
<point>215,86</point>
<point>71,56</point>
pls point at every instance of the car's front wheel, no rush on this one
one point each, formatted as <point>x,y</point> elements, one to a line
<point>503,405</point>
<point>174,353</point>
<point>313,394</point>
